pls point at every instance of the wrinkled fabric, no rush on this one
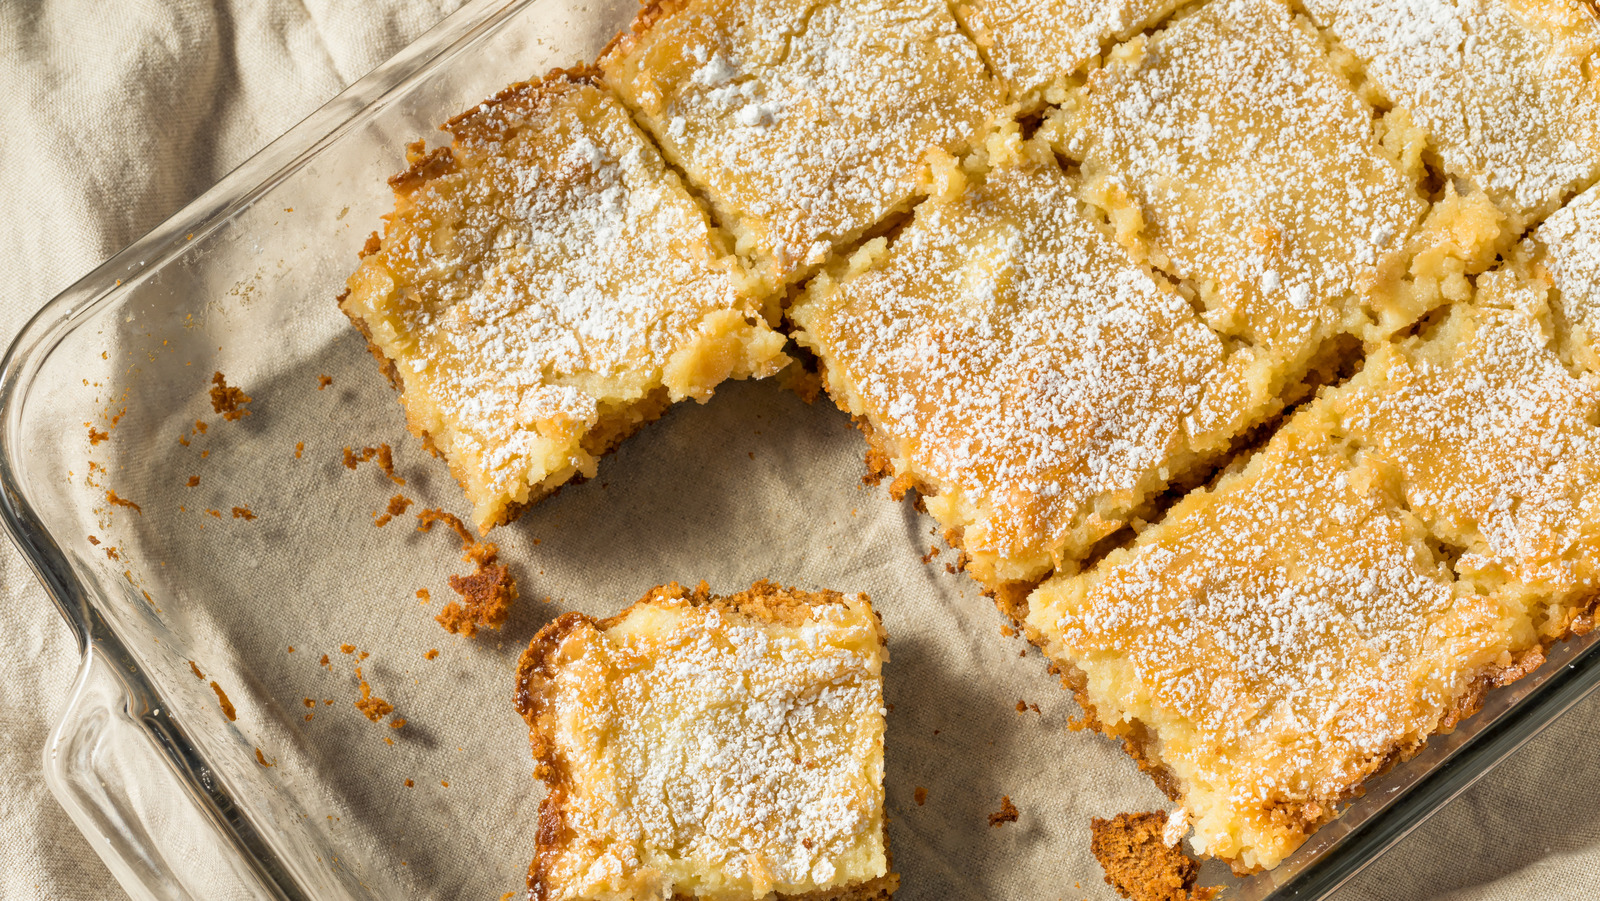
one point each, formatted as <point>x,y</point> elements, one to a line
<point>116,115</point>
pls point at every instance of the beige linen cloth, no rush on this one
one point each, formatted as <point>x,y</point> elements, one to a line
<point>114,115</point>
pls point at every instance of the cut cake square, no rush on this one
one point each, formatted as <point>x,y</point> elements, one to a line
<point>544,287</point>
<point>804,123</point>
<point>1018,369</point>
<point>696,746</point>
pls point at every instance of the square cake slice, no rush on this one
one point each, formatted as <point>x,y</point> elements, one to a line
<point>1018,369</point>
<point>1273,642</point>
<point>695,746</point>
<point>1231,153</point>
<point>1498,448</point>
<point>805,123</point>
<point>1506,89</point>
<point>546,285</point>
<point>1035,45</point>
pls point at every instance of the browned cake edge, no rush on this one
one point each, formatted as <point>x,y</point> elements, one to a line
<point>424,166</point>
<point>1141,744</point>
<point>765,602</point>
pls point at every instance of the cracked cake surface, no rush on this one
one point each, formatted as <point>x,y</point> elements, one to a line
<point>1024,371</point>
<point>1229,151</point>
<point>544,286</point>
<point>804,122</point>
<point>697,746</point>
<point>1282,636</point>
<point>1507,89</point>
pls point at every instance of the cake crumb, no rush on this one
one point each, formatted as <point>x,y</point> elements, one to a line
<point>444,783</point>
<point>486,594</point>
<point>196,670</point>
<point>299,448</point>
<point>409,783</point>
<point>323,381</point>
<point>933,551</point>
<point>243,513</point>
<point>227,705</point>
<point>430,653</point>
<point>397,722</point>
<point>397,506</point>
<point>194,481</point>
<point>374,707</point>
<point>291,649</point>
<point>1007,813</point>
<point>324,661</point>
<point>262,759</point>
<point>383,454</point>
<point>216,513</point>
<point>347,649</point>
<point>1008,632</point>
<point>920,796</point>
<point>97,437</point>
<point>1139,864</point>
<point>227,400</point>
<point>423,596</point>
<point>309,702</point>
<point>93,540</point>
<point>113,500</point>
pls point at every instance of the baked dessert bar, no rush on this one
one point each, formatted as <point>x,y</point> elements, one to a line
<point>1230,152</point>
<point>1565,252</point>
<point>1033,46</point>
<point>1506,89</point>
<point>1273,642</point>
<point>696,746</point>
<point>1496,442</point>
<point>1016,367</point>
<point>805,123</point>
<point>545,286</point>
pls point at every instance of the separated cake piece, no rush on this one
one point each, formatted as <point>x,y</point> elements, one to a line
<point>545,286</point>
<point>1273,642</point>
<point>1506,89</point>
<point>804,123</point>
<point>1015,366</point>
<point>725,748</point>
<point>1228,151</point>
<point>1565,253</point>
<point>1496,444</point>
<point>1034,45</point>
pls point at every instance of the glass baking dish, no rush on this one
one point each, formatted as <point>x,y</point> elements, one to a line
<point>296,795</point>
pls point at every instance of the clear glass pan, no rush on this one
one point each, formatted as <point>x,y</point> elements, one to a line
<point>171,791</point>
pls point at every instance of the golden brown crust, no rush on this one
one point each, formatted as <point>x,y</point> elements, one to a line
<point>494,118</point>
<point>649,14</point>
<point>1138,864</point>
<point>764,601</point>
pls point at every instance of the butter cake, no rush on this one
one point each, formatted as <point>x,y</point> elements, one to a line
<point>1495,441</point>
<point>1016,367</point>
<point>805,123</point>
<point>1506,89</point>
<point>1034,46</point>
<point>1230,152</point>
<point>545,286</point>
<point>1273,642</point>
<point>696,746</point>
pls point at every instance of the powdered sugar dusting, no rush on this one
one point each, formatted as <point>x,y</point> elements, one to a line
<point>555,270</point>
<point>711,752</point>
<point>805,122</point>
<point>1496,444</point>
<point>1031,43</point>
<point>1501,87</point>
<point>1568,246</point>
<point>1022,362</point>
<point>1254,168</point>
<point>1281,635</point>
